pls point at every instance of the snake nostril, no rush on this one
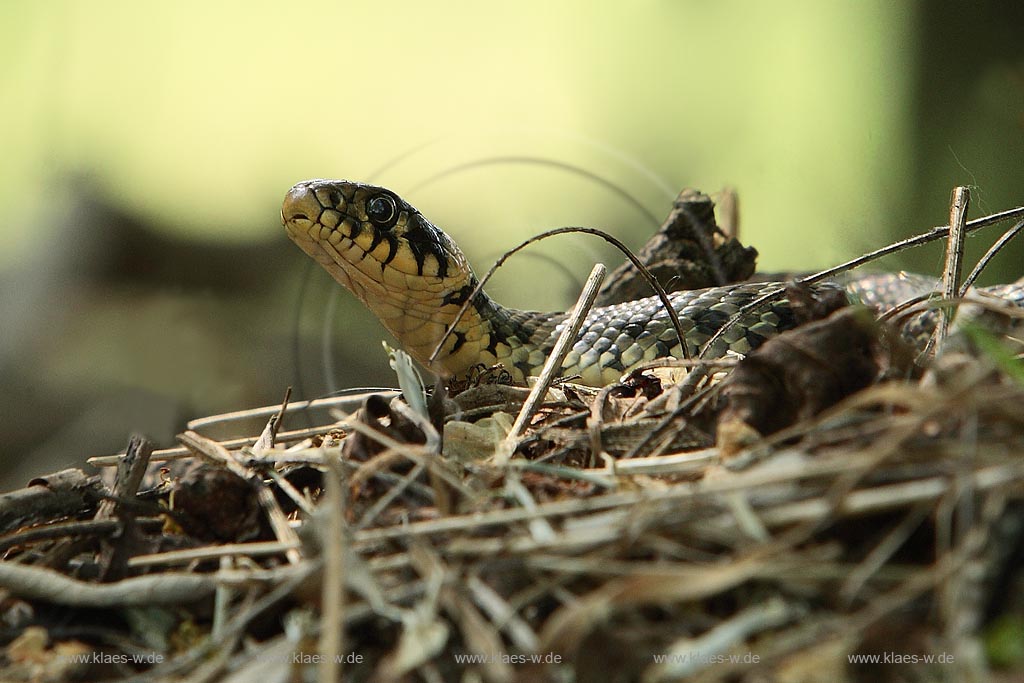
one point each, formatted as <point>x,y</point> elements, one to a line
<point>300,204</point>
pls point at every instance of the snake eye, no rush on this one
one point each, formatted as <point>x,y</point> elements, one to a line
<point>382,210</point>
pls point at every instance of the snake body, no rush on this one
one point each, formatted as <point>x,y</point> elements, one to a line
<point>416,279</point>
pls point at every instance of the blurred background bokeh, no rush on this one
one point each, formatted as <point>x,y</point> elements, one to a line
<point>144,273</point>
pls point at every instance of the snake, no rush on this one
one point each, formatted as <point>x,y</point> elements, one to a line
<point>416,279</point>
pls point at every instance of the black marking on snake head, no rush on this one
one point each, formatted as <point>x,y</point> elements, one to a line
<point>334,196</point>
<point>357,227</point>
<point>423,239</point>
<point>392,250</point>
<point>378,235</point>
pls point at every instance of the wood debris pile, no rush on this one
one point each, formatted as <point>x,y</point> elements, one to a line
<point>832,510</point>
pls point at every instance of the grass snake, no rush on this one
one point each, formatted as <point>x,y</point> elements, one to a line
<point>415,279</point>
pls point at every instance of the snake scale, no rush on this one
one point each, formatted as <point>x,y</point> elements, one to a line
<point>416,279</point>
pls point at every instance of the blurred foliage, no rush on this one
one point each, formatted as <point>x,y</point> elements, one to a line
<point>1004,642</point>
<point>147,147</point>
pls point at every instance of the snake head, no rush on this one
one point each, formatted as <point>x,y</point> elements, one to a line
<point>384,251</point>
<point>360,222</point>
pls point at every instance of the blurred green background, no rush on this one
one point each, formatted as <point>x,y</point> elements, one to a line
<point>144,273</point>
